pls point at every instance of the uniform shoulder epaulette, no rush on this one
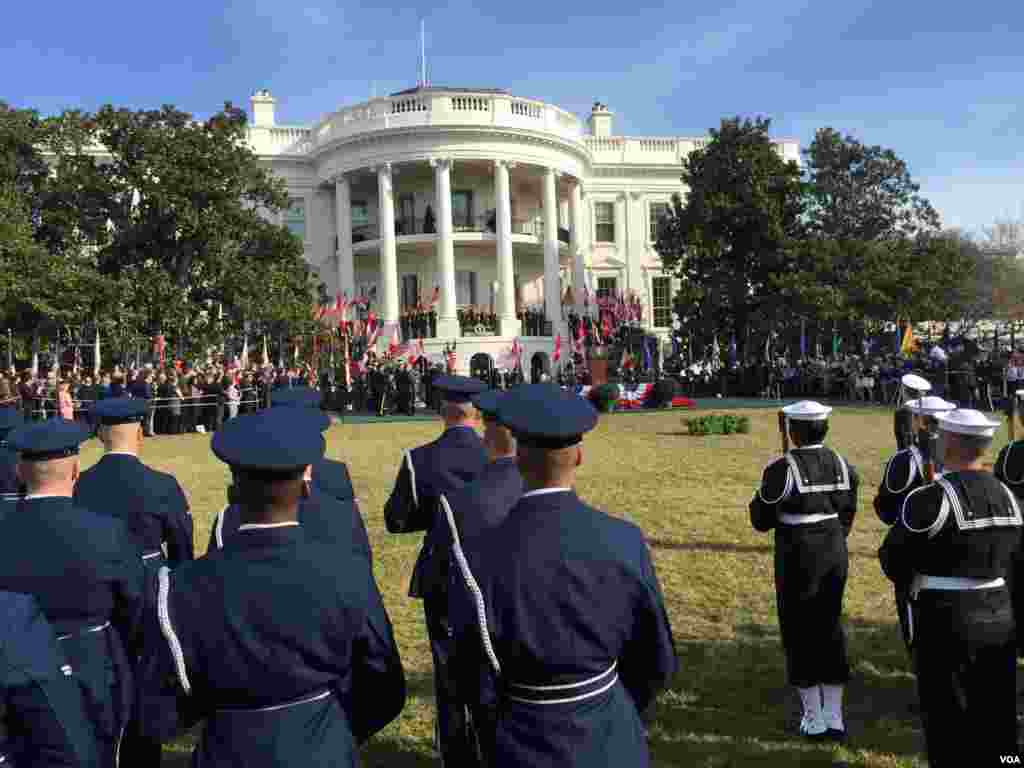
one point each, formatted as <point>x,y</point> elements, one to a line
<point>776,481</point>
<point>901,470</point>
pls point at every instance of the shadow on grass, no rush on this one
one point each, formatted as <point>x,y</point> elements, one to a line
<point>379,753</point>
<point>728,546</point>
<point>730,704</point>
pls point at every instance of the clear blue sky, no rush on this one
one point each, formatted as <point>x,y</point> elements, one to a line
<point>941,82</point>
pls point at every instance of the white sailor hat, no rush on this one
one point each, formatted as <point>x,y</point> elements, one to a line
<point>1019,393</point>
<point>929,406</point>
<point>915,382</point>
<point>965,421</point>
<point>807,410</point>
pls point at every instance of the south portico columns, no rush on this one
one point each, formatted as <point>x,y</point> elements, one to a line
<point>447,318</point>
<point>552,283</point>
<point>576,242</point>
<point>388,253</point>
<point>508,323</point>
<point>343,210</point>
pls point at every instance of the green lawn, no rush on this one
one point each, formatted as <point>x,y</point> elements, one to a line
<point>729,705</point>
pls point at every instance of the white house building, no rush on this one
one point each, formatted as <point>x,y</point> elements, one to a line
<point>494,200</point>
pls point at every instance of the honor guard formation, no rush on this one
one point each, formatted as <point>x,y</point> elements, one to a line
<point>545,618</point>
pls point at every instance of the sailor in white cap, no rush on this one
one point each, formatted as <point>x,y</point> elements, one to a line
<point>809,496</point>
<point>904,473</point>
<point>911,386</point>
<point>956,542</point>
<point>1009,467</point>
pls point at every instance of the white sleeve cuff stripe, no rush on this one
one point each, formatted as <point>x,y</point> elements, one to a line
<point>164,615</point>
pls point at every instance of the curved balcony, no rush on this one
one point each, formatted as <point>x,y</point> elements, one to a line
<point>527,231</point>
<point>441,107</point>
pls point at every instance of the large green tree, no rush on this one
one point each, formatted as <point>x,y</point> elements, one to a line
<point>728,238</point>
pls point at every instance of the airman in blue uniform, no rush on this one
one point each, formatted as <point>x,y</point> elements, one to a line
<point>328,510</point>
<point>42,715</point>
<point>85,571</point>
<point>153,507</point>
<point>451,461</point>
<point>565,638</point>
<point>279,645</point>
<point>10,487</point>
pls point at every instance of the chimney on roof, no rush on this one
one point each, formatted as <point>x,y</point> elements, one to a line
<point>600,120</point>
<point>262,108</point>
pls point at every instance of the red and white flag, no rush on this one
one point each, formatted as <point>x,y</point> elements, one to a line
<point>558,348</point>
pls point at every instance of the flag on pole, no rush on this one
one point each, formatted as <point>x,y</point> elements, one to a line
<point>245,353</point>
<point>436,296</point>
<point>159,345</point>
<point>909,345</point>
<point>627,360</point>
<point>803,338</point>
<point>395,342</point>
<point>648,362</point>
<point>558,348</point>
<point>266,352</point>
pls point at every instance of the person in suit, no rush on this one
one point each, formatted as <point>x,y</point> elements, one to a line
<point>85,571</point>
<point>153,507</point>
<point>454,459</point>
<point>957,542</point>
<point>809,497</point>
<point>563,634</point>
<point>279,646</point>
<point>43,722</point>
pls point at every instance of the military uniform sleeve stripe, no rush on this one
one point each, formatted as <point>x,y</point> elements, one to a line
<point>164,615</point>
<point>474,587</point>
<point>935,526</point>
<point>218,528</point>
<point>412,477</point>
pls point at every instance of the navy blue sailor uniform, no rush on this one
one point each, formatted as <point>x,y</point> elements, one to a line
<point>281,648</point>
<point>956,542</point>
<point>561,632</point>
<point>153,507</point>
<point>42,714</point>
<point>87,576</point>
<point>451,461</point>
<point>809,498</point>
<point>903,474</point>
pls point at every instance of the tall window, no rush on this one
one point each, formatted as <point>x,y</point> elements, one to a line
<point>465,288</point>
<point>360,213</point>
<point>410,290</point>
<point>295,218</point>
<point>406,215</point>
<point>462,208</point>
<point>606,287</point>
<point>661,290</point>
<point>658,212</point>
<point>604,216</point>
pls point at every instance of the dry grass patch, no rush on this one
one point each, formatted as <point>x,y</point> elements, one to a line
<point>729,705</point>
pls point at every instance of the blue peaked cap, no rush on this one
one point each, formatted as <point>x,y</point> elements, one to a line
<point>277,440</point>
<point>458,389</point>
<point>301,397</point>
<point>487,402</point>
<point>120,410</point>
<point>51,439</point>
<point>546,415</point>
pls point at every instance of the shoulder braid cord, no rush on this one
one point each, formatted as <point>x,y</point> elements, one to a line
<point>474,588</point>
<point>787,487</point>
<point>412,478</point>
<point>912,471</point>
<point>164,615</point>
<point>1006,467</point>
<point>218,527</point>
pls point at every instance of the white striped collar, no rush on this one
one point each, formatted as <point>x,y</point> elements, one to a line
<point>122,453</point>
<point>542,491</point>
<point>31,496</point>
<point>262,526</point>
<point>808,447</point>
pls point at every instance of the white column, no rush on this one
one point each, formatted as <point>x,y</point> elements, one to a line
<point>388,253</point>
<point>636,247</point>
<point>576,241</point>
<point>552,283</point>
<point>343,209</point>
<point>621,215</point>
<point>447,318</point>
<point>508,323</point>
